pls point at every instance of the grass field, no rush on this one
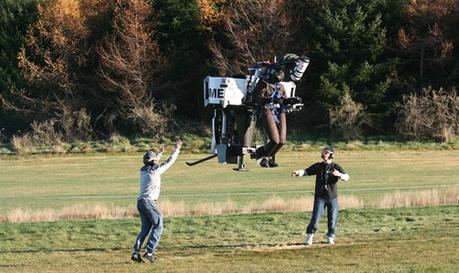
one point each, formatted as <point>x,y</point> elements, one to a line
<point>369,240</point>
<point>41,182</point>
<point>423,239</point>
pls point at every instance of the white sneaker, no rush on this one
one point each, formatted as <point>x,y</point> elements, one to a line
<point>331,240</point>
<point>309,238</point>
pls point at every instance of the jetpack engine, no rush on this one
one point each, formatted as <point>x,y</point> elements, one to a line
<point>236,105</point>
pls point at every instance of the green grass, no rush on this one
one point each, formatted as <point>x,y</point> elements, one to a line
<point>48,181</point>
<point>369,240</point>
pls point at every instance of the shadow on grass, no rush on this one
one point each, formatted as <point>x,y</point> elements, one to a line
<point>93,249</point>
<point>162,248</point>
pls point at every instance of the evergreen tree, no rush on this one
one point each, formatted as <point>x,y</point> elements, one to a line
<point>183,40</point>
<point>349,41</point>
<point>15,15</point>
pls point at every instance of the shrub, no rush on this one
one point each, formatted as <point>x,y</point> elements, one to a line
<point>119,143</point>
<point>347,118</point>
<point>44,133</point>
<point>75,125</point>
<point>21,144</point>
<point>431,115</point>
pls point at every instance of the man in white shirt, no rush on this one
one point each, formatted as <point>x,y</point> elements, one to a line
<point>150,214</point>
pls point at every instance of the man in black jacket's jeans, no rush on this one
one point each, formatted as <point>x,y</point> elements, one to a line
<point>327,174</point>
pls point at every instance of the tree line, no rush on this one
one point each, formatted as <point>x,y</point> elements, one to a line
<point>86,69</point>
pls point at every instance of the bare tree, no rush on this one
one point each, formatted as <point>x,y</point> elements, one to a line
<point>425,37</point>
<point>129,60</point>
<point>255,30</point>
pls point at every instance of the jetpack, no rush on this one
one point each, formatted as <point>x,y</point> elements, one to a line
<point>237,105</point>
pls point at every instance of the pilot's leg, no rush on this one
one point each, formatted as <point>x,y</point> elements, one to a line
<point>273,133</point>
<point>282,126</point>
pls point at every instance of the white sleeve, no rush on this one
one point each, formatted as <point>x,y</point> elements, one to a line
<point>345,177</point>
<point>301,172</point>
<point>168,163</point>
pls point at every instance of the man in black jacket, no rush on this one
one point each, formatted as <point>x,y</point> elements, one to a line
<point>327,174</point>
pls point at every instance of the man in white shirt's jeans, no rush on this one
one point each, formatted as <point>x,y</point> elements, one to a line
<point>150,214</point>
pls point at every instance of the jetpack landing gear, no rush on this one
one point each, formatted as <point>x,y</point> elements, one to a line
<point>227,140</point>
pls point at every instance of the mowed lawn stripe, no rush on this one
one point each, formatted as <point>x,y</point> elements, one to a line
<point>57,181</point>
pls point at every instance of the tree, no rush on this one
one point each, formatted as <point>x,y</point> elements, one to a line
<point>427,41</point>
<point>183,41</point>
<point>53,62</point>
<point>251,31</point>
<point>15,16</point>
<point>130,59</point>
<point>349,53</point>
